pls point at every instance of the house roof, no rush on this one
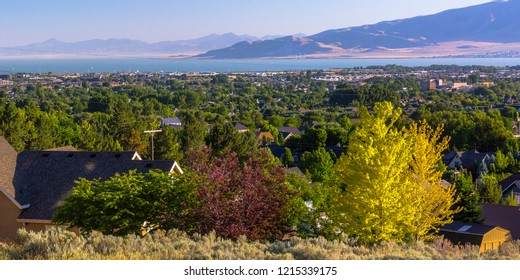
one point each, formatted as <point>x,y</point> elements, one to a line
<point>507,217</point>
<point>42,178</point>
<point>7,165</point>
<point>507,182</point>
<point>448,157</point>
<point>291,129</point>
<point>239,126</point>
<point>468,158</point>
<point>171,121</point>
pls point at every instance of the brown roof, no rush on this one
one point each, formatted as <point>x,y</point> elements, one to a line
<point>507,217</point>
<point>7,165</point>
<point>42,178</point>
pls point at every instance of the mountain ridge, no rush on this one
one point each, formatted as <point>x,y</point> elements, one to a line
<point>493,22</point>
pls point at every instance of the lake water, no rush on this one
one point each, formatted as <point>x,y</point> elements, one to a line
<point>98,65</point>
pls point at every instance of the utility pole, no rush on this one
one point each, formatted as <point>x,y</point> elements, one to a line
<point>152,133</point>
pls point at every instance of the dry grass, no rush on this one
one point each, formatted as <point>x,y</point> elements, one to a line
<point>63,245</point>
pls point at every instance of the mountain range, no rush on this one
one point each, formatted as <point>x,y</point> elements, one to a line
<point>487,30</point>
<point>492,27</point>
<point>131,47</point>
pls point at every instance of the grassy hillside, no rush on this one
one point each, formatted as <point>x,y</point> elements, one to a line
<point>63,245</point>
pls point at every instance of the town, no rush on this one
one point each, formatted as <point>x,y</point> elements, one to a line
<point>197,125</point>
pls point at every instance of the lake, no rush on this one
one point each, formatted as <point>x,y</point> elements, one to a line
<point>98,65</point>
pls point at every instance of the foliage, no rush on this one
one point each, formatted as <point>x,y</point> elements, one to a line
<point>388,176</point>
<point>468,199</point>
<point>129,203</point>
<point>510,200</point>
<point>57,244</point>
<point>489,189</point>
<point>318,164</point>
<point>237,199</point>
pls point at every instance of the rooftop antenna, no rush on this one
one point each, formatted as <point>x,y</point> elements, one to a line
<point>152,133</point>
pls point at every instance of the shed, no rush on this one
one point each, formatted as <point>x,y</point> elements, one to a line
<point>485,236</point>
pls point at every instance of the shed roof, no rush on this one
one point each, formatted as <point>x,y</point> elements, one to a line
<point>467,228</point>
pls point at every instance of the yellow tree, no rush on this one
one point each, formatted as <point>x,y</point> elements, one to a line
<point>392,190</point>
<point>433,200</point>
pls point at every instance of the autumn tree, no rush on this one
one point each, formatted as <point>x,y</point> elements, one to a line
<point>392,189</point>
<point>249,198</point>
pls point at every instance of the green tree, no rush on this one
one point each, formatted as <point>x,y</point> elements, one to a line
<point>489,189</point>
<point>318,164</point>
<point>288,159</point>
<point>468,199</point>
<point>511,200</point>
<point>129,203</point>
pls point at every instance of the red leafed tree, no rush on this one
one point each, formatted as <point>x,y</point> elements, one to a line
<point>237,198</point>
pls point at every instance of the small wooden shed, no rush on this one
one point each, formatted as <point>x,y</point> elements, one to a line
<point>485,236</point>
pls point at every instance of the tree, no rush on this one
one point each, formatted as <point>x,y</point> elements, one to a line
<point>288,159</point>
<point>511,200</point>
<point>468,199</point>
<point>318,164</point>
<point>388,176</point>
<point>489,189</point>
<point>249,198</point>
<point>129,203</point>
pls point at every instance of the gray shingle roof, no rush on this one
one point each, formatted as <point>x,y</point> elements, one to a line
<point>291,129</point>
<point>42,178</point>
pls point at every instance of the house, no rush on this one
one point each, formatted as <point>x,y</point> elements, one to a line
<point>240,127</point>
<point>472,160</point>
<point>265,136</point>
<point>510,185</point>
<point>175,122</point>
<point>288,131</point>
<point>487,237</point>
<point>279,152</point>
<point>34,182</point>
<point>504,216</point>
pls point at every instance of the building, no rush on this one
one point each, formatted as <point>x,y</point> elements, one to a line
<point>487,237</point>
<point>511,185</point>
<point>34,182</point>
<point>504,216</point>
<point>240,127</point>
<point>175,122</point>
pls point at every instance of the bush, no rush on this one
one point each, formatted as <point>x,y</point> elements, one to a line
<point>58,244</point>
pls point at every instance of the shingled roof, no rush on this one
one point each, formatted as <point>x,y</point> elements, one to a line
<point>7,165</point>
<point>42,178</point>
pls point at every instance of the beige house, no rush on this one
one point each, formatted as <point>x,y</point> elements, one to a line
<point>32,183</point>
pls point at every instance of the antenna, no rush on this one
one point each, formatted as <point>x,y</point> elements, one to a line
<point>152,132</point>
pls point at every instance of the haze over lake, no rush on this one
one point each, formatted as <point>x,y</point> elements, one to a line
<point>99,65</point>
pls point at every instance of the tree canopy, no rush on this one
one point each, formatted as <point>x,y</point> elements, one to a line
<point>392,188</point>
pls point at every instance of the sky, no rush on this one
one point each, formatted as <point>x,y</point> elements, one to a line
<point>32,21</point>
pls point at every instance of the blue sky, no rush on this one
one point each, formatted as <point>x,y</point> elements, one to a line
<point>30,21</point>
